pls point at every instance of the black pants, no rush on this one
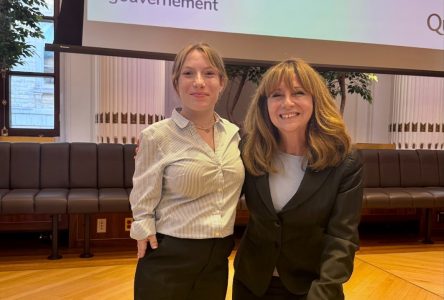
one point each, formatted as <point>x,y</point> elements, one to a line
<point>184,269</point>
<point>276,291</point>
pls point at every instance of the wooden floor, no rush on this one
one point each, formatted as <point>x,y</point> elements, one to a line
<point>382,271</point>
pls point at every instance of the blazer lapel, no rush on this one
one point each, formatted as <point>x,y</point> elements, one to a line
<point>263,189</point>
<point>311,182</point>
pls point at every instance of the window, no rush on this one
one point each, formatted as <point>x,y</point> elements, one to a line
<point>32,88</point>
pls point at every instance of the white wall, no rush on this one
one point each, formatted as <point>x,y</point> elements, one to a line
<point>77,99</point>
<point>171,98</point>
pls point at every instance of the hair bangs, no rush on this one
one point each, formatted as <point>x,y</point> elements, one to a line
<point>281,73</point>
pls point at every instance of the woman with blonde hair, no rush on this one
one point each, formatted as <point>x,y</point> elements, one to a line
<point>186,185</point>
<point>302,188</point>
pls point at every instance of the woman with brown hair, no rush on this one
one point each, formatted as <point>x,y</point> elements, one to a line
<point>302,188</point>
<point>187,181</point>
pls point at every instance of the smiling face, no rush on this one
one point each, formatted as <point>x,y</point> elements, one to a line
<point>199,84</point>
<point>290,108</point>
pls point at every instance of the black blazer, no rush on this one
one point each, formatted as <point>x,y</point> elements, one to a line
<point>311,241</point>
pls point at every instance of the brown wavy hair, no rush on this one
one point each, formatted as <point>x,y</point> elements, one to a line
<point>327,140</point>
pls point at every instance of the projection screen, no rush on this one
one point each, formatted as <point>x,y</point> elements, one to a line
<point>396,35</point>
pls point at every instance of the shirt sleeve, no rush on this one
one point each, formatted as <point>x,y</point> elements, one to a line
<point>147,187</point>
<point>341,238</point>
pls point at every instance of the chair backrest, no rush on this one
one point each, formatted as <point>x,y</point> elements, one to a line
<point>129,153</point>
<point>54,165</point>
<point>410,169</point>
<point>25,165</point>
<point>429,167</point>
<point>110,165</point>
<point>371,167</point>
<point>83,165</point>
<point>440,156</point>
<point>5,158</point>
<point>389,168</point>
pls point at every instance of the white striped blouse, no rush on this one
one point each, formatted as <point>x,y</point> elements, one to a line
<point>181,187</point>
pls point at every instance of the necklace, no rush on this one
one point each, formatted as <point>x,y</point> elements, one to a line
<point>206,129</point>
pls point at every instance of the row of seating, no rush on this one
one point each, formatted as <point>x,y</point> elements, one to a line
<point>88,178</point>
<point>61,178</point>
<point>404,179</point>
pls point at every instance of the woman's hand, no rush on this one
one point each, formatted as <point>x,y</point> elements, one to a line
<point>136,150</point>
<point>143,244</point>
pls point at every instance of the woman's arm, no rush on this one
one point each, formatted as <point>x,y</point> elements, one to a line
<point>146,192</point>
<point>341,238</point>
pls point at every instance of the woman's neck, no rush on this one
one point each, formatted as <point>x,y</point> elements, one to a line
<point>203,119</point>
<point>294,144</point>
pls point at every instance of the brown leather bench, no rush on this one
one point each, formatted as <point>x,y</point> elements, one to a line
<point>64,178</point>
<point>404,179</point>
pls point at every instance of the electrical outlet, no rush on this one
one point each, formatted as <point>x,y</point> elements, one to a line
<point>101,225</point>
<point>128,222</point>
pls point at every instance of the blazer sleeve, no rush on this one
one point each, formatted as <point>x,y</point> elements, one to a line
<point>147,186</point>
<point>341,239</point>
